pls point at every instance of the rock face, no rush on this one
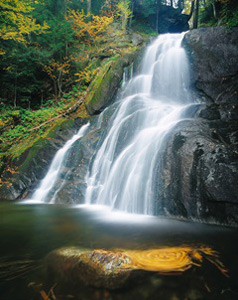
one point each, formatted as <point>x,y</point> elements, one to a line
<point>172,20</point>
<point>104,87</point>
<point>137,39</point>
<point>32,165</point>
<point>200,172</point>
<point>214,60</point>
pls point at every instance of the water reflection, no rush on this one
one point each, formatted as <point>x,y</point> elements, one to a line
<point>30,232</point>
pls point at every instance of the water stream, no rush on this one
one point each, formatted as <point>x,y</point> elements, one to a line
<point>122,173</point>
<point>49,181</point>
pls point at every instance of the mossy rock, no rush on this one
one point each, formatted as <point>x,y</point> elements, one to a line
<point>107,82</point>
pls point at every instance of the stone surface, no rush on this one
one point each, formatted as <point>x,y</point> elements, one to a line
<point>137,39</point>
<point>92,268</point>
<point>214,63</point>
<point>200,171</point>
<point>107,82</point>
<point>32,165</point>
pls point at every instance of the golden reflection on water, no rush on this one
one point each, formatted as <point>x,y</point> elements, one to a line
<point>168,260</point>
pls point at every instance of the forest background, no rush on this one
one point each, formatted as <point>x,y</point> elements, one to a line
<point>51,50</point>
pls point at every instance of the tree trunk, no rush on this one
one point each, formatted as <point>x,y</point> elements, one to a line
<point>15,92</point>
<point>89,6</point>
<point>132,11</point>
<point>157,15</point>
<point>192,9</point>
<point>196,14</point>
<point>214,10</point>
<point>59,84</point>
<point>181,5</point>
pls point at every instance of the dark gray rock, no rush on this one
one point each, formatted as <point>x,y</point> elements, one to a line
<point>70,184</point>
<point>199,176</point>
<point>200,170</point>
<point>214,61</point>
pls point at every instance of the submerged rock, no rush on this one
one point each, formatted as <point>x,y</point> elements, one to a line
<point>93,268</point>
<point>113,269</point>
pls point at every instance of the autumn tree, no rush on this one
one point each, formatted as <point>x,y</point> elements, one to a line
<point>17,21</point>
<point>124,12</point>
<point>88,27</point>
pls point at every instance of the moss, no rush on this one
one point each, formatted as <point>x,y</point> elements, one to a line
<point>106,83</point>
<point>26,147</point>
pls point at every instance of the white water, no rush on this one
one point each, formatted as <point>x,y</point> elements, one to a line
<point>123,172</point>
<point>48,182</point>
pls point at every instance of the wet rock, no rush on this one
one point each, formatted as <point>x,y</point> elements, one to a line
<point>200,175</point>
<point>70,184</point>
<point>214,62</point>
<point>91,268</point>
<point>200,169</point>
<point>32,165</point>
<point>107,82</point>
<point>77,267</point>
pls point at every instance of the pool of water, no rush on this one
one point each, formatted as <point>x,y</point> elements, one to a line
<point>30,232</point>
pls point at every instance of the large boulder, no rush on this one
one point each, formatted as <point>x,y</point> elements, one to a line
<point>214,63</point>
<point>200,170</point>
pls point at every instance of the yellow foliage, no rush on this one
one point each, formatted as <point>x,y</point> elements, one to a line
<point>17,21</point>
<point>124,12</point>
<point>88,26</point>
<point>55,68</point>
<point>2,52</point>
<point>86,75</point>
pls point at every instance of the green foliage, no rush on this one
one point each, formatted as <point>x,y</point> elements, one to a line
<point>42,75</point>
<point>219,12</point>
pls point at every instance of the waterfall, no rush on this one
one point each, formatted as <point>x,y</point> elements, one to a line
<point>49,181</point>
<point>123,173</point>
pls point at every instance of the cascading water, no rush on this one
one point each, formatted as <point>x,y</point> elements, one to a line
<point>123,172</point>
<point>50,180</point>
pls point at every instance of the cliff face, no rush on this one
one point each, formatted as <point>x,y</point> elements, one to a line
<point>200,173</point>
